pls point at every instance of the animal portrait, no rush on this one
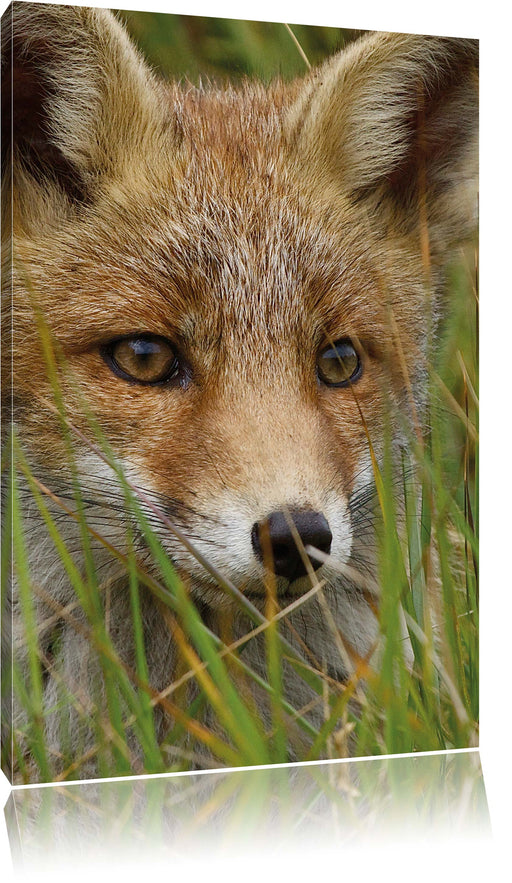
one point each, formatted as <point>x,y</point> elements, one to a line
<point>240,399</point>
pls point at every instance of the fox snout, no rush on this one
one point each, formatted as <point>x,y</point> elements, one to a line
<point>279,542</point>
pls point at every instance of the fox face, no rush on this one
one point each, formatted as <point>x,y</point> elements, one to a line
<point>240,285</point>
<point>234,396</point>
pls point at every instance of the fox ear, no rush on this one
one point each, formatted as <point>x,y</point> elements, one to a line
<point>392,124</point>
<point>82,100</point>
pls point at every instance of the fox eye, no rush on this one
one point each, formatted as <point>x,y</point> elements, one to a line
<point>339,364</point>
<point>142,358</point>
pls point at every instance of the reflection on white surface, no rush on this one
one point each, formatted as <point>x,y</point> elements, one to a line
<point>196,816</point>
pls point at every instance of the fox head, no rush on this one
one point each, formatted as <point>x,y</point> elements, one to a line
<point>241,282</point>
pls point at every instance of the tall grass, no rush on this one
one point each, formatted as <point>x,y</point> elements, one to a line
<point>199,49</point>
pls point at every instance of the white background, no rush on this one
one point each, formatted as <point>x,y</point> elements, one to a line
<point>487,21</point>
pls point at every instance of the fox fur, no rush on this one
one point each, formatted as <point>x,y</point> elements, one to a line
<point>251,227</point>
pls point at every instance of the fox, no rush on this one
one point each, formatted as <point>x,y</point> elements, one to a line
<point>240,283</point>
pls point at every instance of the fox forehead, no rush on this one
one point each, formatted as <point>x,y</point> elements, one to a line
<point>215,290</point>
<point>229,124</point>
<point>217,232</point>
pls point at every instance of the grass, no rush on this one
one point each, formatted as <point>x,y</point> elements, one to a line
<point>428,556</point>
<point>195,48</point>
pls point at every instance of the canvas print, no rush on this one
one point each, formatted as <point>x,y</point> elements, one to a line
<point>240,393</point>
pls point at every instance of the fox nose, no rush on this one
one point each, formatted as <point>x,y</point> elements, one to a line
<point>313,530</point>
